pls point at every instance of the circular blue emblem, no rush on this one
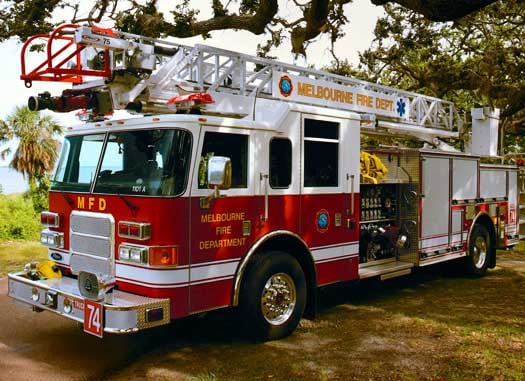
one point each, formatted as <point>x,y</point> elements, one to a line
<point>322,221</point>
<point>285,86</point>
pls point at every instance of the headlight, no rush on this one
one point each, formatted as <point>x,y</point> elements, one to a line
<point>123,253</point>
<point>133,253</point>
<point>52,239</point>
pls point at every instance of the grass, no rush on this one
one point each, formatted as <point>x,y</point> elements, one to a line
<point>433,325</point>
<point>15,254</point>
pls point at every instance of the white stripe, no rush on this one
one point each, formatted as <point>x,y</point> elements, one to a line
<point>434,242</point>
<point>176,276</point>
<point>213,271</point>
<point>142,284</point>
<point>212,280</point>
<point>458,238</point>
<point>443,241</point>
<point>332,253</point>
<point>150,275</point>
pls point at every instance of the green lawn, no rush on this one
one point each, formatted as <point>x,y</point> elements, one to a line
<point>15,254</point>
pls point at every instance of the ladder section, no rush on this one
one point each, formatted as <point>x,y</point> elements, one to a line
<point>208,69</point>
<point>152,71</point>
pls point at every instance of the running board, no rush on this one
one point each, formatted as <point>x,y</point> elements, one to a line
<point>386,270</point>
<point>442,258</point>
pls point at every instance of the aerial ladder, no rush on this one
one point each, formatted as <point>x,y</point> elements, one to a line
<point>112,70</point>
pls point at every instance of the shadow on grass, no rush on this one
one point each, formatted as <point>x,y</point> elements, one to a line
<point>435,324</point>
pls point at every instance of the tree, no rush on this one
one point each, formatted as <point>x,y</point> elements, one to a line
<point>309,19</point>
<point>37,149</point>
<point>477,60</point>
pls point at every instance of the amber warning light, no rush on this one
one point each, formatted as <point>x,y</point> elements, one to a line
<point>163,255</point>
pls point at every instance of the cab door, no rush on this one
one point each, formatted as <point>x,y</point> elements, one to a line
<point>221,227</point>
<point>329,186</point>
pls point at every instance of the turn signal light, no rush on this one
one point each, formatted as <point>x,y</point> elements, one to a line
<point>163,255</point>
<point>135,230</point>
<point>50,219</point>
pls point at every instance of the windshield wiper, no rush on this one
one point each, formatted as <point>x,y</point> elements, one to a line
<point>68,199</point>
<point>134,208</point>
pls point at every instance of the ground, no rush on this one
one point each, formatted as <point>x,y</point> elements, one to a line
<point>436,324</point>
<point>433,325</point>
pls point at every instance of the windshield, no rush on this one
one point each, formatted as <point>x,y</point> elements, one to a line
<point>141,162</point>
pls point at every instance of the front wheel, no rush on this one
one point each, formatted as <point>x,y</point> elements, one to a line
<point>480,250</point>
<point>273,297</point>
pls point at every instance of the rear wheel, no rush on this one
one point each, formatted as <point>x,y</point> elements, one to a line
<point>480,249</point>
<point>273,296</point>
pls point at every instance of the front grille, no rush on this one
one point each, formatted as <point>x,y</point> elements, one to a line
<point>92,242</point>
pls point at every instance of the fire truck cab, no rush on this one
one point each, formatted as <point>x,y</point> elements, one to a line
<point>249,194</point>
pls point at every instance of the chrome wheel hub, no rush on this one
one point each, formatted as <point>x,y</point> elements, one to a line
<point>278,298</point>
<point>480,252</point>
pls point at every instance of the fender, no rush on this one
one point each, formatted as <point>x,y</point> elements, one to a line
<point>255,247</point>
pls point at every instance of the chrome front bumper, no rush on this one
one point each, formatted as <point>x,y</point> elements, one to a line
<point>122,312</point>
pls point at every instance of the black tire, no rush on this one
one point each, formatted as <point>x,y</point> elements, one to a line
<point>480,250</point>
<point>273,296</point>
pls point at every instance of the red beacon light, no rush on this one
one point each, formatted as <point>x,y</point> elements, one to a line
<point>50,219</point>
<point>134,230</point>
<point>191,103</point>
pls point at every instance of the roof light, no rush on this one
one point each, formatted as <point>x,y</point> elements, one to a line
<point>189,102</point>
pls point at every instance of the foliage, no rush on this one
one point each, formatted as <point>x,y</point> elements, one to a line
<point>301,21</point>
<point>479,60</point>
<point>38,192</point>
<point>37,150</point>
<point>18,219</point>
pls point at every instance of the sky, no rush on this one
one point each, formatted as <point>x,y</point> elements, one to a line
<point>362,16</point>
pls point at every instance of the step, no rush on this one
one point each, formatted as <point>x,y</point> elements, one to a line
<point>385,270</point>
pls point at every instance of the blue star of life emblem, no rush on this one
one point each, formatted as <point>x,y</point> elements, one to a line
<point>401,107</point>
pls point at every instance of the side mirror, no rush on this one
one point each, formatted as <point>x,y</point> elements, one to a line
<point>219,172</point>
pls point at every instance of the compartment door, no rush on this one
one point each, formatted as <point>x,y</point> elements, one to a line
<point>435,204</point>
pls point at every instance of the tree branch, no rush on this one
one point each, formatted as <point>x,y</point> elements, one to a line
<point>255,23</point>
<point>440,10</point>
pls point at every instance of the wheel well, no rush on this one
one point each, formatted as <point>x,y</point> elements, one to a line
<point>291,244</point>
<point>486,221</point>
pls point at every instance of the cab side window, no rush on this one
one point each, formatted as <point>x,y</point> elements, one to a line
<point>234,146</point>
<point>280,163</point>
<point>321,153</point>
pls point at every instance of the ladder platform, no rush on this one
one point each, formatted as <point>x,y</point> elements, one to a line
<point>385,270</point>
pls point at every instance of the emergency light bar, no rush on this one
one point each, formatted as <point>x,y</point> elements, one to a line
<point>189,102</point>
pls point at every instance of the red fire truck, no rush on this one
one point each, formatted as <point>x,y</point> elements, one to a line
<point>242,183</point>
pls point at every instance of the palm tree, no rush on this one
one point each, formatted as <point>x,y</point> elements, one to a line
<point>37,149</point>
